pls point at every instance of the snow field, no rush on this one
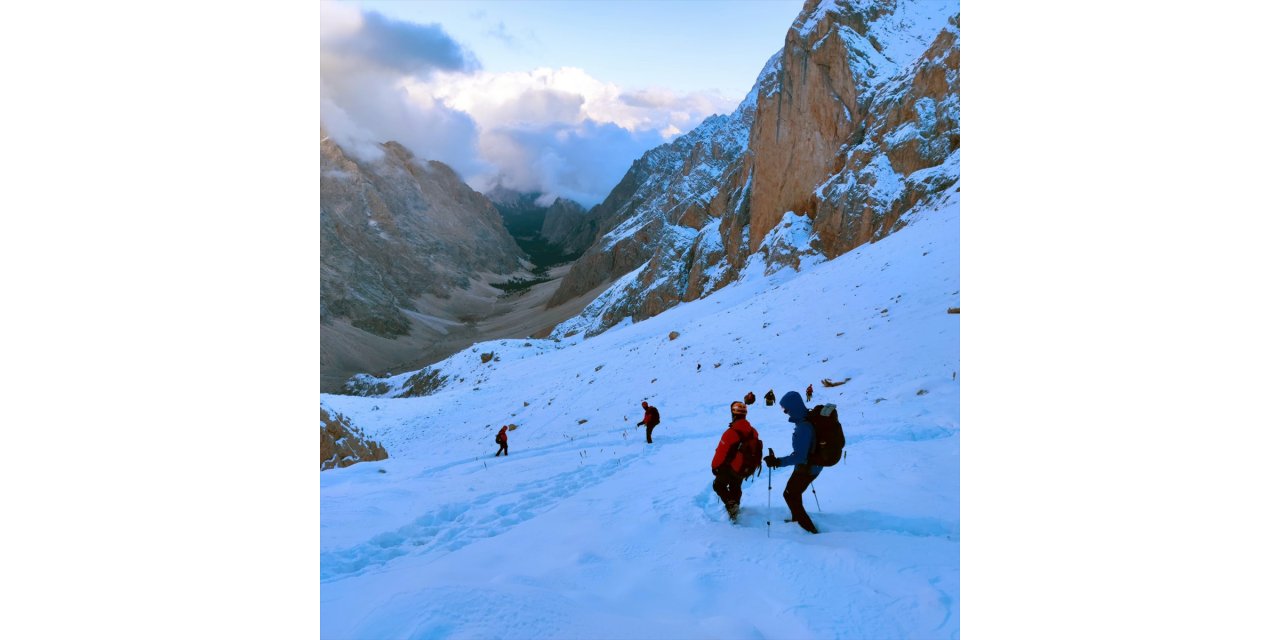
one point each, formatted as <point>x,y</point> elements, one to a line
<point>586,531</point>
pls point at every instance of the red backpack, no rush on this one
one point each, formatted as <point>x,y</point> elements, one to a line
<point>746,454</point>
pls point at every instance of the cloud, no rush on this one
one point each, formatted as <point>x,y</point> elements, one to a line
<point>541,96</point>
<point>391,44</point>
<point>556,131</point>
<point>581,162</point>
<point>561,131</point>
<point>364,58</point>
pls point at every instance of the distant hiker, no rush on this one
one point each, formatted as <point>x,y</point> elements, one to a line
<point>750,398</point>
<point>804,473</point>
<point>808,394</point>
<point>501,439</point>
<point>651,420</point>
<point>769,398</point>
<point>737,457</point>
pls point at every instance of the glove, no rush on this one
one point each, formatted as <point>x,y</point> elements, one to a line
<point>771,461</point>
<point>639,423</point>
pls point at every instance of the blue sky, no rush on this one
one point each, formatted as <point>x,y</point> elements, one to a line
<point>694,45</point>
<point>554,97</point>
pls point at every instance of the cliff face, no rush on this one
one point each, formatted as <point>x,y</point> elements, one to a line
<point>867,95</point>
<point>908,151</point>
<point>850,126</point>
<point>393,230</point>
<point>800,123</point>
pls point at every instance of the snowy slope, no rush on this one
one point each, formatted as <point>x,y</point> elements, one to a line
<point>586,531</point>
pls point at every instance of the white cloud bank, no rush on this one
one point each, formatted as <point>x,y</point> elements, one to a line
<point>557,131</point>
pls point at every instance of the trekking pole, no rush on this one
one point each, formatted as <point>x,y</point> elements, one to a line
<point>815,498</point>
<point>768,523</point>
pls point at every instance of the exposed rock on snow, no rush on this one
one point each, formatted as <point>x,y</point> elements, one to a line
<point>363,384</point>
<point>343,444</point>
<point>422,383</point>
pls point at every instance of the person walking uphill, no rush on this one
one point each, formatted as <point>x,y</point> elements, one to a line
<point>769,398</point>
<point>736,458</point>
<point>804,473</point>
<point>808,394</point>
<point>651,420</point>
<point>501,439</point>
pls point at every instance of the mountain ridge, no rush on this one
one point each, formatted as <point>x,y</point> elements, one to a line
<point>852,124</point>
<point>403,244</point>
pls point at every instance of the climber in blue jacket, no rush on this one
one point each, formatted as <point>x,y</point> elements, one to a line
<point>804,473</point>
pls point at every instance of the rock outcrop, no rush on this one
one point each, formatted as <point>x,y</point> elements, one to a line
<point>854,123</point>
<point>343,444</point>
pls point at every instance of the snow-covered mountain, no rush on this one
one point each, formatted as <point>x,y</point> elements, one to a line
<point>584,531</point>
<point>851,125</point>
<point>664,194</point>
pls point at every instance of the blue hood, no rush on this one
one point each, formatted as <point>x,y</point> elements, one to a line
<point>802,438</point>
<point>794,404</point>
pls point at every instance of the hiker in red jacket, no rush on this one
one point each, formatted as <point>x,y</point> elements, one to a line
<point>501,439</point>
<point>734,460</point>
<point>651,420</point>
<point>808,393</point>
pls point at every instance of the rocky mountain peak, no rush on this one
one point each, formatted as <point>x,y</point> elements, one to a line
<point>849,127</point>
<point>671,185</point>
<point>393,229</point>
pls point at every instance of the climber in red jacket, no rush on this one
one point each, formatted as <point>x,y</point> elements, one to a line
<point>651,420</point>
<point>501,439</point>
<point>737,457</point>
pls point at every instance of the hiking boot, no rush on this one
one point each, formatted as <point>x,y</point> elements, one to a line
<point>733,512</point>
<point>808,526</point>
